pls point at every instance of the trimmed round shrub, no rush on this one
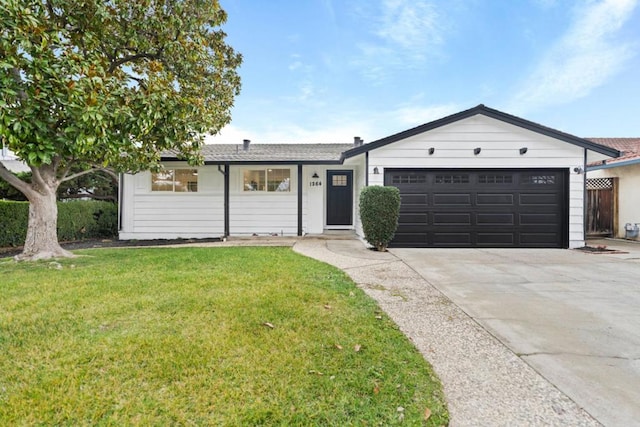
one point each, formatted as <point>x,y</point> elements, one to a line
<point>379,212</point>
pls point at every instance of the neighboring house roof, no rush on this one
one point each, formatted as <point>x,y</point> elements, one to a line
<point>270,153</point>
<point>629,147</point>
<point>495,114</point>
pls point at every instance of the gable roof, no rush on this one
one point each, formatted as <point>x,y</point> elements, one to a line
<point>629,148</point>
<point>489,112</point>
<point>270,153</point>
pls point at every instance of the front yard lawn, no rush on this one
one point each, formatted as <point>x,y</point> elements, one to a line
<point>215,336</point>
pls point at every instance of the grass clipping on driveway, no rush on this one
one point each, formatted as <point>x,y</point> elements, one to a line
<point>226,336</point>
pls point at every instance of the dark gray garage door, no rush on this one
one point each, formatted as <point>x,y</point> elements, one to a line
<point>481,207</point>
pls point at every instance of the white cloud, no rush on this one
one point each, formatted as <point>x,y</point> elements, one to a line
<point>365,124</point>
<point>586,56</point>
<point>405,34</point>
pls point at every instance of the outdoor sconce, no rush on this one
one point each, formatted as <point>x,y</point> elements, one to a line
<point>376,171</point>
<point>577,170</point>
<point>315,175</point>
<point>431,151</point>
<point>523,150</point>
<point>477,150</point>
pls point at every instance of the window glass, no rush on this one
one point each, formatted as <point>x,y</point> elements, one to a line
<point>162,181</point>
<point>339,180</point>
<point>539,179</point>
<point>186,180</point>
<point>175,180</point>
<point>254,180</point>
<point>267,180</point>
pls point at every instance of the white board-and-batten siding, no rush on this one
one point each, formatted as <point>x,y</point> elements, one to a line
<point>500,145</point>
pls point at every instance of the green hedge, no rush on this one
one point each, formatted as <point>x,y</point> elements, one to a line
<point>77,220</point>
<point>379,213</point>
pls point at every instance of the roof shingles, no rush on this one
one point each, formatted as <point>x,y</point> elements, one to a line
<point>629,147</point>
<point>222,153</point>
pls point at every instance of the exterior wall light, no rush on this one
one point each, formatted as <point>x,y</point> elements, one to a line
<point>477,150</point>
<point>523,150</point>
<point>376,171</point>
<point>431,151</point>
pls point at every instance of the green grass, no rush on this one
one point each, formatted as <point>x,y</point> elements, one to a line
<point>177,336</point>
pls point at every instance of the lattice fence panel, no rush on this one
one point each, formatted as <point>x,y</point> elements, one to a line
<point>599,183</point>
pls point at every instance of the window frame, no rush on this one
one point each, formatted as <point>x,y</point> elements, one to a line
<point>174,171</point>
<point>244,189</point>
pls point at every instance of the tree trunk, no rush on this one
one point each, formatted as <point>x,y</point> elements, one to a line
<point>42,233</point>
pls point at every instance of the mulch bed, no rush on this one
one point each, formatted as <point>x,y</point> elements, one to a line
<point>89,244</point>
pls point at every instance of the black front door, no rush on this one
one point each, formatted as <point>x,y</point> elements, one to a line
<point>339,197</point>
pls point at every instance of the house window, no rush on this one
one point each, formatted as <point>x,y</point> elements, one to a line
<point>267,180</point>
<point>175,180</point>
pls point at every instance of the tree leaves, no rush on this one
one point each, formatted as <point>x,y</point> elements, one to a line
<point>98,79</point>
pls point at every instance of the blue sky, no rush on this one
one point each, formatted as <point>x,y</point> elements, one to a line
<point>320,71</point>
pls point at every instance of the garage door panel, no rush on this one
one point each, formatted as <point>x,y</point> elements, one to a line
<point>413,218</point>
<point>539,219</point>
<point>538,239</point>
<point>485,199</point>
<point>448,218</point>
<point>481,207</point>
<point>507,219</point>
<point>452,239</point>
<point>444,199</point>
<point>495,239</point>
<point>410,239</point>
<point>528,199</point>
<point>413,199</point>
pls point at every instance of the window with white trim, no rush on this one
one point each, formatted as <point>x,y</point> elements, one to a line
<point>175,180</point>
<point>269,180</point>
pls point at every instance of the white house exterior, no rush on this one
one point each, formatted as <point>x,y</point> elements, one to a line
<point>478,178</point>
<point>11,162</point>
<point>623,174</point>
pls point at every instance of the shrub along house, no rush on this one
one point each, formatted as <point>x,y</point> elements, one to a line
<point>478,178</point>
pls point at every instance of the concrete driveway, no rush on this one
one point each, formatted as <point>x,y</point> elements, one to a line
<point>572,316</point>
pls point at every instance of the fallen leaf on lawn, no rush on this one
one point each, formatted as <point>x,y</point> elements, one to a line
<point>376,389</point>
<point>270,325</point>
<point>427,413</point>
<point>356,348</point>
<point>327,306</point>
<point>338,346</point>
<point>312,371</point>
<point>379,317</point>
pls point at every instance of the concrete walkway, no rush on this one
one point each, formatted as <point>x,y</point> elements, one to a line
<point>485,383</point>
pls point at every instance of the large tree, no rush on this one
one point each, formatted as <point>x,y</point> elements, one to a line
<point>107,83</point>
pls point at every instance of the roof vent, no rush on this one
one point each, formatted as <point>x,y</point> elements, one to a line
<point>245,144</point>
<point>357,141</point>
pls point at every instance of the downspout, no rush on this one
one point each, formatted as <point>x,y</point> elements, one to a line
<point>366,169</point>
<point>299,199</point>
<point>120,198</point>
<point>225,172</point>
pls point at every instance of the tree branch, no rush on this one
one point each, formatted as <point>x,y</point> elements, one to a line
<point>111,173</point>
<point>76,175</point>
<point>115,64</point>
<point>37,178</point>
<point>14,181</point>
